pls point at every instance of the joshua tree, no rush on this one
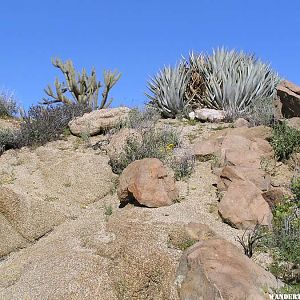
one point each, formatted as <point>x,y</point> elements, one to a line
<point>83,88</point>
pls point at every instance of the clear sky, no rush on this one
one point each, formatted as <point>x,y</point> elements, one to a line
<point>137,38</point>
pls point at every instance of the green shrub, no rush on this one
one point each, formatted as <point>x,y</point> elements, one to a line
<point>295,187</point>
<point>155,143</point>
<point>8,139</point>
<point>43,124</point>
<point>284,240</point>
<point>8,105</point>
<point>163,144</point>
<point>182,164</point>
<point>142,119</point>
<point>285,140</point>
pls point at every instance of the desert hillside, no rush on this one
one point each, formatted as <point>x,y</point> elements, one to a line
<point>176,201</point>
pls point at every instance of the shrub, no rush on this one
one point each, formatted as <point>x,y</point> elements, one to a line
<point>155,143</point>
<point>285,140</point>
<point>8,105</point>
<point>250,239</point>
<point>183,164</point>
<point>163,144</point>
<point>43,124</point>
<point>168,91</point>
<point>142,119</point>
<point>8,139</point>
<point>284,239</point>
<point>260,112</point>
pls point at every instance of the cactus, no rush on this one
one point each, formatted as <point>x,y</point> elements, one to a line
<point>83,88</point>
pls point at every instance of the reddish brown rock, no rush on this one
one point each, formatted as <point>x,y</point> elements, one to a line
<point>216,269</point>
<point>204,148</point>
<point>243,206</point>
<point>288,94</point>
<point>240,151</point>
<point>257,176</point>
<point>148,182</point>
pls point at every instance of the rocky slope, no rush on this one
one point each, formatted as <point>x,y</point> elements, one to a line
<point>63,234</point>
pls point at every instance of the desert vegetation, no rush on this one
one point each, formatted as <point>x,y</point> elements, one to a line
<point>232,81</point>
<point>210,143</point>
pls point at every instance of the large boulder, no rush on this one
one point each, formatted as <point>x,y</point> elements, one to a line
<point>98,120</point>
<point>41,189</point>
<point>216,269</point>
<point>243,206</point>
<point>148,182</point>
<point>288,97</point>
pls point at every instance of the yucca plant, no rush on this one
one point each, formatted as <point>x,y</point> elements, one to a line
<point>235,80</point>
<point>168,90</point>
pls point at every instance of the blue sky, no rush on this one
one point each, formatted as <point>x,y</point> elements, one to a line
<point>137,38</point>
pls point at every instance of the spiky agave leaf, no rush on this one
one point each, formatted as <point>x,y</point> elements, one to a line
<point>168,88</point>
<point>235,80</point>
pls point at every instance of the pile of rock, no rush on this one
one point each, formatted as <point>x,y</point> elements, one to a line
<point>242,179</point>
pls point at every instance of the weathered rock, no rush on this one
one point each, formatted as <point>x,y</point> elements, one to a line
<point>240,122</point>
<point>118,141</point>
<point>216,269</point>
<point>288,94</point>
<point>42,188</point>
<point>210,115</point>
<point>98,120</point>
<point>294,122</point>
<point>203,148</point>
<point>60,265</point>
<point>11,239</point>
<point>198,231</point>
<point>29,217</point>
<point>243,206</point>
<point>147,180</point>
<point>259,177</point>
<point>239,151</point>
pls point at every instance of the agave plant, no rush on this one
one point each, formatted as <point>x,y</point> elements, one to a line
<point>234,80</point>
<point>168,90</point>
<point>196,91</point>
